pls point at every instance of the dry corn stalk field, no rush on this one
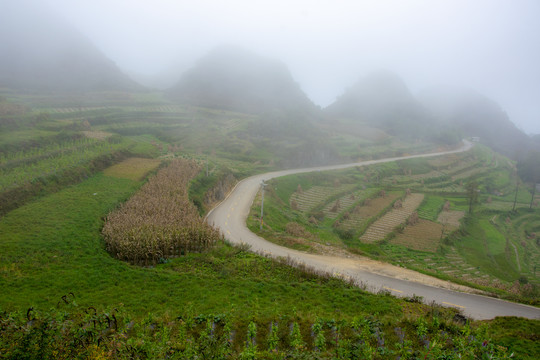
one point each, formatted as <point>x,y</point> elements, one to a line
<point>159,221</point>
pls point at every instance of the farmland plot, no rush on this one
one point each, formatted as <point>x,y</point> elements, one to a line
<point>317,196</point>
<point>23,167</point>
<point>423,236</point>
<point>470,172</point>
<point>445,161</point>
<point>461,166</point>
<point>430,207</point>
<point>431,174</point>
<point>451,218</point>
<point>386,224</point>
<point>371,208</point>
<point>132,168</point>
<point>159,222</point>
<point>334,208</point>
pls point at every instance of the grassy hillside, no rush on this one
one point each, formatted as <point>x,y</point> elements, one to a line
<point>417,213</point>
<point>59,283</point>
<point>86,303</point>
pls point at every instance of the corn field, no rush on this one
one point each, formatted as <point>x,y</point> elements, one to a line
<point>159,222</point>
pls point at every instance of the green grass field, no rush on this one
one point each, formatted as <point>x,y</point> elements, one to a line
<point>50,250</point>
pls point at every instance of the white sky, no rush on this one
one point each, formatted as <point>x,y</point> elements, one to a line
<point>492,46</point>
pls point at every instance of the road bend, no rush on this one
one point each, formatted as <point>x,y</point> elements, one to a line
<point>231,214</point>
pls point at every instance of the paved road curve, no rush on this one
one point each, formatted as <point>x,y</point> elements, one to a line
<point>230,216</point>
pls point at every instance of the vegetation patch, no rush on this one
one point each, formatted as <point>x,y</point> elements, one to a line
<point>132,168</point>
<point>451,218</point>
<point>96,134</point>
<point>386,224</point>
<point>317,196</point>
<point>431,207</point>
<point>443,241</point>
<point>423,236</point>
<point>73,332</point>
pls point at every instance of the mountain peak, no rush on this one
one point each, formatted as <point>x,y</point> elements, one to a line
<point>41,51</point>
<point>381,99</point>
<point>231,77</point>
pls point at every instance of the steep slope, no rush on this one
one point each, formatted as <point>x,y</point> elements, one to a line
<point>41,51</point>
<point>382,99</point>
<point>232,78</point>
<point>476,115</point>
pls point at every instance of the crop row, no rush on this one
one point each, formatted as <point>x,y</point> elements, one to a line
<point>369,208</point>
<point>332,209</point>
<point>66,110</point>
<point>159,221</point>
<point>470,172</point>
<point>91,334</point>
<point>9,159</point>
<point>316,196</point>
<point>430,208</point>
<point>57,163</point>
<point>386,224</point>
<point>424,236</point>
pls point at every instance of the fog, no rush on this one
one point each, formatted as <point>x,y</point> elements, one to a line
<point>489,45</point>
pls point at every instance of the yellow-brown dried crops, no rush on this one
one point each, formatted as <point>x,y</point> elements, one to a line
<point>159,221</point>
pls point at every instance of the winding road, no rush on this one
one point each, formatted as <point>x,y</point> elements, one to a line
<point>231,214</point>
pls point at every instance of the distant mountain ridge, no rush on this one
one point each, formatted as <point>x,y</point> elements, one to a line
<point>232,78</point>
<point>40,51</point>
<point>476,115</point>
<point>382,99</point>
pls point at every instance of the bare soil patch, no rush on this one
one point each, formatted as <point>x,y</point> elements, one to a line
<point>451,218</point>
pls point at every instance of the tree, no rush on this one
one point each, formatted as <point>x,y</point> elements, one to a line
<point>517,190</point>
<point>532,197</point>
<point>472,194</point>
<point>529,170</point>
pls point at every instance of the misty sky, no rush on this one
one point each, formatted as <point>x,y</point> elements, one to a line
<point>492,46</point>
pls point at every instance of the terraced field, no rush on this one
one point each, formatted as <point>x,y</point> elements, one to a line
<point>505,247</point>
<point>451,264</point>
<point>451,218</point>
<point>132,168</point>
<point>430,207</point>
<point>371,208</point>
<point>317,196</point>
<point>524,229</point>
<point>160,108</point>
<point>469,173</point>
<point>445,161</point>
<point>386,224</point>
<point>334,208</point>
<point>423,236</point>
